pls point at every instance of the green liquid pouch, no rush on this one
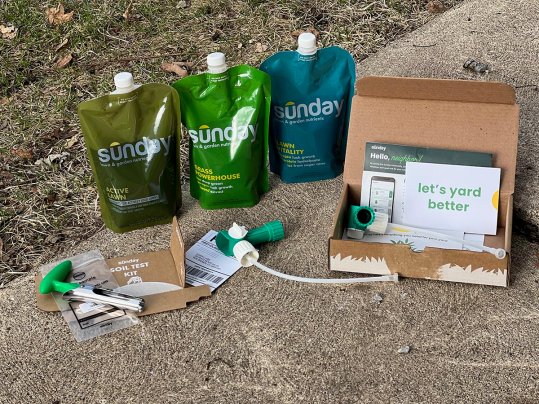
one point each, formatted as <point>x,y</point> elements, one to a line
<point>227,118</point>
<point>132,141</point>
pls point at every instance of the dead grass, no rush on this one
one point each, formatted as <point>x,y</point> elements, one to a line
<point>46,207</point>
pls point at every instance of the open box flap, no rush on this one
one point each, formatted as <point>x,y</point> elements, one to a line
<point>436,89</point>
<point>447,114</point>
<point>177,250</point>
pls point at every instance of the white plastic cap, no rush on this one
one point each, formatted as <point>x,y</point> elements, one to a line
<point>216,62</point>
<point>307,44</point>
<point>380,223</point>
<point>237,231</point>
<point>355,233</point>
<point>245,253</point>
<point>124,81</point>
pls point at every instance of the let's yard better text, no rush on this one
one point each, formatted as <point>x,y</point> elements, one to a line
<point>450,192</point>
<point>452,197</point>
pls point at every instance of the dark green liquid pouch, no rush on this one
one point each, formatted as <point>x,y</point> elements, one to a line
<point>132,141</point>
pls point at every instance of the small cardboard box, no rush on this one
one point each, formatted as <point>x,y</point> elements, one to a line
<point>447,114</point>
<point>165,269</point>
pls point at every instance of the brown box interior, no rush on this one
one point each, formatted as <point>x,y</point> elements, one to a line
<point>450,114</point>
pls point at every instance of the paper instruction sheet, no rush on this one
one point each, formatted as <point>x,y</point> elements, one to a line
<point>206,265</point>
<point>417,241</point>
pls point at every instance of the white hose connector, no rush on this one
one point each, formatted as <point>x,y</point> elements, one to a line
<point>499,253</point>
<point>247,255</point>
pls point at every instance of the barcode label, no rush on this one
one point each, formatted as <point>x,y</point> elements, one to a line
<point>198,273</point>
<point>206,265</point>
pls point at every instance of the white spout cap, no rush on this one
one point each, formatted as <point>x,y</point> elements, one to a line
<point>238,232</point>
<point>216,62</point>
<point>245,253</point>
<point>124,82</point>
<point>307,44</point>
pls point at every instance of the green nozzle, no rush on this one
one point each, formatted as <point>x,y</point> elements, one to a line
<point>54,280</point>
<point>271,231</point>
<point>360,217</point>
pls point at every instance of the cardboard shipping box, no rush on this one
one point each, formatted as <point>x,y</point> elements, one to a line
<point>447,114</point>
<point>163,272</point>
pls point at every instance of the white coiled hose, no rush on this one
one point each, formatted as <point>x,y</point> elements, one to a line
<point>247,255</point>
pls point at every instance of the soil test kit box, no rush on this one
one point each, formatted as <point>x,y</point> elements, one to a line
<point>165,267</point>
<point>445,114</point>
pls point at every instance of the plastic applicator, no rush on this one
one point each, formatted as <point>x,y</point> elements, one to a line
<point>499,253</point>
<point>363,218</point>
<point>238,242</point>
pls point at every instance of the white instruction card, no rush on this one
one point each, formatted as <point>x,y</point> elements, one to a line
<point>206,265</point>
<point>417,241</point>
<point>452,197</point>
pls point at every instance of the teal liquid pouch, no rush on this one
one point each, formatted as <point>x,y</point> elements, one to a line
<point>310,109</point>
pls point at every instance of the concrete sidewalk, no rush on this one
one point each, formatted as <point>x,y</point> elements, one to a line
<point>262,339</point>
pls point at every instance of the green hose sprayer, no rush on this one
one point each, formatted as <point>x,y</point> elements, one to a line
<point>228,240</point>
<point>239,242</point>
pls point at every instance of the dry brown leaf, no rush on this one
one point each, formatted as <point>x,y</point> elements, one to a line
<point>312,30</point>
<point>4,101</point>
<point>71,142</point>
<point>260,48</point>
<point>8,31</point>
<point>62,44</point>
<point>58,16</point>
<point>64,61</point>
<point>23,154</point>
<point>179,68</point>
<point>436,7</point>
<point>127,12</point>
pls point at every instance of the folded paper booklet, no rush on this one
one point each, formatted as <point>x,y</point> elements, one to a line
<point>384,172</point>
<point>452,197</point>
<point>397,234</point>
